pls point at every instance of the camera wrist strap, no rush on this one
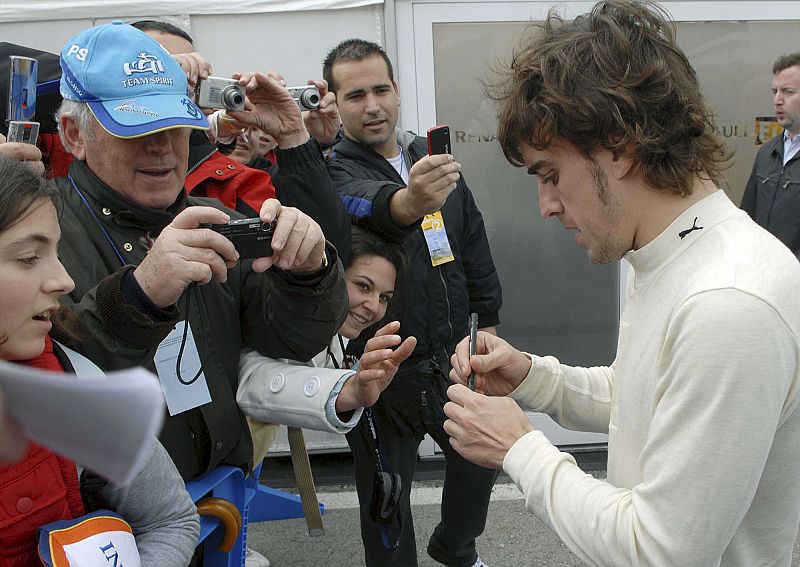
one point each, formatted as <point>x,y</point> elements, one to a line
<point>372,439</point>
<point>375,445</point>
<point>390,534</point>
<point>187,292</point>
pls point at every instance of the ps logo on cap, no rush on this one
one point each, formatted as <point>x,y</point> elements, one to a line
<point>79,52</point>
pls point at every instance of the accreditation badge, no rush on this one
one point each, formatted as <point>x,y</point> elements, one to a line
<point>436,238</point>
<point>184,385</point>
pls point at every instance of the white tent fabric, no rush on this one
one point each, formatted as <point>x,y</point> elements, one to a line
<point>38,10</point>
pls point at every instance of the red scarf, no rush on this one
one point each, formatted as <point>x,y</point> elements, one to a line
<point>47,360</point>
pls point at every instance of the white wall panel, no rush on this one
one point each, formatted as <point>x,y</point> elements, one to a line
<point>36,10</point>
<point>293,43</point>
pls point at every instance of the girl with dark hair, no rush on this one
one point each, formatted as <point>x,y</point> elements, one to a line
<point>45,487</point>
<point>304,394</point>
<point>370,253</point>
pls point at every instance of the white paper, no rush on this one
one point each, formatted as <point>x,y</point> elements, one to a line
<point>190,389</point>
<point>106,424</point>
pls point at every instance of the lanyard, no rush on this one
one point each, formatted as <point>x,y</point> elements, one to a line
<point>390,534</point>
<point>376,443</point>
<point>347,361</point>
<point>97,221</point>
<point>380,457</point>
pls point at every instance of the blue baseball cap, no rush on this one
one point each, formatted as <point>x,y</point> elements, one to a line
<point>132,84</point>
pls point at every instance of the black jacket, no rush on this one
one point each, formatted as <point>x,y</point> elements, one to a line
<point>772,194</point>
<point>438,299</point>
<point>276,313</point>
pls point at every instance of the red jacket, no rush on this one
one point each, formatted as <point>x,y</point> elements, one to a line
<point>54,154</point>
<point>40,489</point>
<point>231,182</point>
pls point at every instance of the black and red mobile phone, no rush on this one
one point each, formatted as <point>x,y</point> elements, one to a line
<point>439,140</point>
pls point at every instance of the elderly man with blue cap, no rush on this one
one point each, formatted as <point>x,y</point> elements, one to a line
<point>126,119</point>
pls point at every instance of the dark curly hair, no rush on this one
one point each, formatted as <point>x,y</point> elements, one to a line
<point>611,79</point>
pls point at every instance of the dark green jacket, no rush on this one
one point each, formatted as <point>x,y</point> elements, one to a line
<point>278,314</point>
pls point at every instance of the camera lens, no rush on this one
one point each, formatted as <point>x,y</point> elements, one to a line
<point>310,99</point>
<point>232,97</point>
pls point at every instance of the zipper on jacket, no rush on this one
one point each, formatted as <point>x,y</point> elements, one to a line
<point>447,302</point>
<point>201,161</point>
<point>423,400</point>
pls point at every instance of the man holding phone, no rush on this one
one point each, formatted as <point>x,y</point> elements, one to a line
<point>391,186</point>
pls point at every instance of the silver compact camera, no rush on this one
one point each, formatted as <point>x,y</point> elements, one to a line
<point>307,97</point>
<point>219,92</point>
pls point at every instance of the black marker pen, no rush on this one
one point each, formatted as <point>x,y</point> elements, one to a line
<point>473,340</point>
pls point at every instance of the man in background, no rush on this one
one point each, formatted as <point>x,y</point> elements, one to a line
<point>252,147</point>
<point>772,194</point>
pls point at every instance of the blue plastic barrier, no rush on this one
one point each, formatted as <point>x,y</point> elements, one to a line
<point>229,484</point>
<point>268,504</point>
<point>254,501</point>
